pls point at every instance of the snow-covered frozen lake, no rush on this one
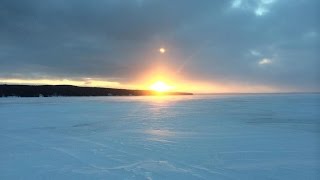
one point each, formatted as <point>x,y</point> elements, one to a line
<point>179,137</point>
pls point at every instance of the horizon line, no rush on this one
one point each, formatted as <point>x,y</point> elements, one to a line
<point>194,93</point>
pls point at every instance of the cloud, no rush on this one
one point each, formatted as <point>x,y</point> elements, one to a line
<point>118,41</point>
<point>265,61</point>
<point>255,53</point>
<point>77,82</point>
<point>236,3</point>
<point>258,7</point>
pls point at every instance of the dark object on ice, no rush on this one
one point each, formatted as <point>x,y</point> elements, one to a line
<point>68,90</point>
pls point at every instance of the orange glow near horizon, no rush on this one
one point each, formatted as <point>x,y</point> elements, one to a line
<point>160,86</point>
<point>158,82</point>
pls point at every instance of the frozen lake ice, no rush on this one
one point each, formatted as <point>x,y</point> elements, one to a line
<point>264,136</point>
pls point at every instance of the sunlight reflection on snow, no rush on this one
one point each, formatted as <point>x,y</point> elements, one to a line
<point>159,135</point>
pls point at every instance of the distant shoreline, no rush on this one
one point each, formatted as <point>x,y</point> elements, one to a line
<point>256,93</point>
<point>73,91</point>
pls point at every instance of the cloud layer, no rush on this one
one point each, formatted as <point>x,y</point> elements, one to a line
<point>259,42</point>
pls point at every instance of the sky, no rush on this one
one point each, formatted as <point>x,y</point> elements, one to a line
<point>210,45</point>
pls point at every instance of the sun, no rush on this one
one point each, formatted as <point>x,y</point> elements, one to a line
<point>162,50</point>
<point>160,86</point>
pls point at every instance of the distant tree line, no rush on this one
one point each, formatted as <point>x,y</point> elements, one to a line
<point>68,90</point>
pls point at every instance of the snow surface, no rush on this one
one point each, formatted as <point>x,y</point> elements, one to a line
<point>179,137</point>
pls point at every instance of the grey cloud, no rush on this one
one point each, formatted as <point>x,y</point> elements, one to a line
<point>211,39</point>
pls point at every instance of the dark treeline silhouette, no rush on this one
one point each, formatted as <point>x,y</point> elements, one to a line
<point>68,90</point>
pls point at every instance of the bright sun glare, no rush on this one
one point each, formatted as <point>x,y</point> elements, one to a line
<point>162,50</point>
<point>160,86</point>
